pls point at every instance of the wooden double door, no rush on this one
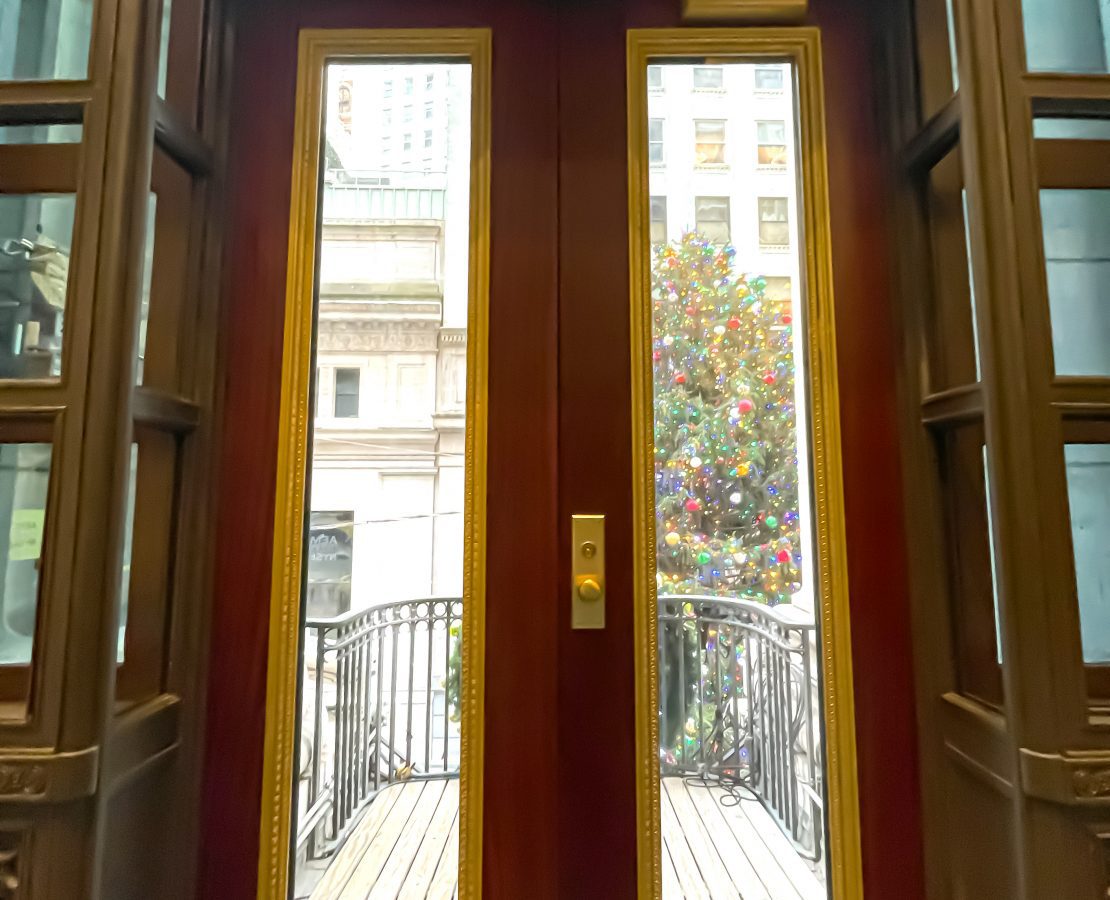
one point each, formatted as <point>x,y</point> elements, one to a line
<point>559,758</point>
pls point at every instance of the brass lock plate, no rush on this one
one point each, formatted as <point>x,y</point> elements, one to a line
<point>587,590</point>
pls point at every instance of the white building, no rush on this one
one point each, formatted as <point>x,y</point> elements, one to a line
<point>387,481</point>
<point>721,154</point>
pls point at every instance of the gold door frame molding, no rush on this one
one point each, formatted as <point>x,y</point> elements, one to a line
<point>766,11</point>
<point>318,47</point>
<point>800,46</point>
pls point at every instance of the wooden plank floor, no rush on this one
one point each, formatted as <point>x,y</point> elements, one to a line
<point>407,847</point>
<point>734,852</point>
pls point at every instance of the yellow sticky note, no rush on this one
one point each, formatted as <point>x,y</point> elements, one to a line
<point>25,541</point>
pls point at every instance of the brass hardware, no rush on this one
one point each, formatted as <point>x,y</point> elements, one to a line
<point>744,11</point>
<point>587,601</point>
<point>589,590</point>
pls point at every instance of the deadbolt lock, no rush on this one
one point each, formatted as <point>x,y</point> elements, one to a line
<point>587,595</point>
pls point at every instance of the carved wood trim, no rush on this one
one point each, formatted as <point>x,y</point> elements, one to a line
<point>744,10</point>
<point>1079,779</point>
<point>37,777</point>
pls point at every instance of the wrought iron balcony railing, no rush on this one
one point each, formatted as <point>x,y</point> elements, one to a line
<point>738,704</point>
<point>376,709</point>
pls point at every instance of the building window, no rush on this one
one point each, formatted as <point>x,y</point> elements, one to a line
<point>774,222</point>
<point>771,140</point>
<point>346,393</point>
<point>406,114</point>
<point>387,117</point>
<point>387,89</point>
<point>408,85</point>
<point>429,81</point>
<point>711,218</point>
<point>768,78</point>
<point>658,220</point>
<point>777,289</point>
<point>708,78</point>
<point>427,139</point>
<point>429,109</point>
<point>655,78</point>
<point>709,142</point>
<point>408,142</point>
<point>655,140</point>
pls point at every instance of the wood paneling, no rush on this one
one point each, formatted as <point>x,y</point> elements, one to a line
<point>558,703</point>
<point>868,353</point>
<point>254,287</point>
<point>521,584</point>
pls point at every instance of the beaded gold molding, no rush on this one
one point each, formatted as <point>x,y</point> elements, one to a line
<point>317,47</point>
<point>801,47</point>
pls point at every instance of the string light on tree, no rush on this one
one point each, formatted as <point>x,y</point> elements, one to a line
<point>726,468</point>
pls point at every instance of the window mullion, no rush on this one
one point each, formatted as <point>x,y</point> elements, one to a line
<point>104,452</point>
<point>1012,417</point>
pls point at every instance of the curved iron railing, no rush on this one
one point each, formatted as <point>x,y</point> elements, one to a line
<point>374,711</point>
<point>739,702</point>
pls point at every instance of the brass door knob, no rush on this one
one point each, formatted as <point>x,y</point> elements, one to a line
<point>589,590</point>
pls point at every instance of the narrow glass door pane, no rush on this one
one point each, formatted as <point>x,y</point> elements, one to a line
<point>951,335</point>
<point>739,720</point>
<point>1076,227</point>
<point>44,39</point>
<point>380,700</point>
<point>24,488</point>
<point>41,134</point>
<point>164,46</point>
<point>36,236</point>
<point>1066,35</point>
<point>1064,128</point>
<point>1088,469</point>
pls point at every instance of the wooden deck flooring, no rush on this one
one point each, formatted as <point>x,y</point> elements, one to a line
<point>407,846</point>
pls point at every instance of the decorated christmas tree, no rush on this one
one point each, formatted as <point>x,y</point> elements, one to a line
<point>726,466</point>
<point>726,478</point>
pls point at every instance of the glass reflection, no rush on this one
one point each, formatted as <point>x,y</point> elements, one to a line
<point>44,39</point>
<point>1076,227</point>
<point>36,232</point>
<point>24,483</point>
<point>1066,35</point>
<point>1088,471</point>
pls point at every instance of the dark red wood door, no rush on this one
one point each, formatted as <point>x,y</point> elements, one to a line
<point>559,816</point>
<point>522,649</point>
<point>596,802</point>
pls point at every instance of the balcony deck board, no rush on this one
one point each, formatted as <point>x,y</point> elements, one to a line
<point>378,851</point>
<point>435,853</point>
<point>406,846</point>
<point>729,857</point>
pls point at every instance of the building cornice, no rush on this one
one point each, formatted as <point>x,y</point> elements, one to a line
<point>369,335</point>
